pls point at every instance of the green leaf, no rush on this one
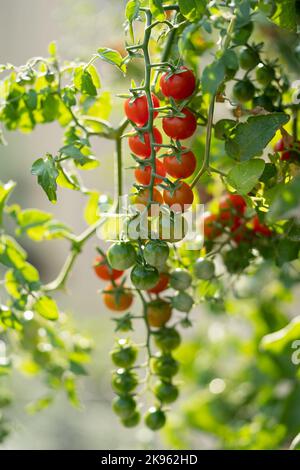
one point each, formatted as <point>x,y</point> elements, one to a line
<point>248,139</point>
<point>285,14</point>
<point>39,405</point>
<point>132,13</point>
<point>112,57</point>
<point>156,8</point>
<point>212,76</point>
<point>276,342</point>
<point>83,81</point>
<point>244,176</point>
<point>12,254</point>
<point>285,203</point>
<point>91,211</point>
<point>46,307</point>
<point>5,190</point>
<point>30,218</point>
<point>52,49</point>
<point>47,174</point>
<point>286,251</point>
<point>192,9</point>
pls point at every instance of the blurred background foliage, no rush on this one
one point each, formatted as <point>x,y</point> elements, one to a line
<point>238,391</point>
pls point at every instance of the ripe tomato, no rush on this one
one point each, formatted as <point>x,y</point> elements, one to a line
<point>155,418</point>
<point>260,228</point>
<point>117,299</point>
<point>143,148</point>
<point>231,205</point>
<point>180,128</point>
<point>144,276</point>
<point>104,271</point>
<point>162,284</point>
<point>239,230</point>
<point>158,313</point>
<point>182,168</point>
<point>143,174</point>
<point>137,110</point>
<point>286,150</point>
<point>180,85</point>
<point>180,199</point>
<point>142,197</point>
<point>210,226</point>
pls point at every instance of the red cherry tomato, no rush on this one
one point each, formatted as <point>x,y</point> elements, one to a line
<point>143,149</point>
<point>161,285</point>
<point>286,154</point>
<point>143,175</point>
<point>182,197</point>
<point>210,227</point>
<point>142,198</point>
<point>239,230</point>
<point>136,109</point>
<point>231,205</point>
<point>180,127</point>
<point>279,146</point>
<point>260,228</point>
<point>183,168</point>
<point>178,85</point>
<point>118,300</point>
<point>104,271</point>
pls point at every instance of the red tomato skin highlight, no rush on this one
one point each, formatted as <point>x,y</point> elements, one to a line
<point>103,271</point>
<point>183,169</point>
<point>161,285</point>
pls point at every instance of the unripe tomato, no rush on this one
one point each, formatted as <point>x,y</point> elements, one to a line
<point>264,102</point>
<point>180,85</point>
<point>158,313</point>
<point>124,354</point>
<point>142,148</point>
<point>156,253</point>
<point>172,229</point>
<point>243,90</point>
<point>211,226</point>
<point>260,228</point>
<point>231,205</point>
<point>180,199</point>
<point>162,284</point>
<point>180,128</point>
<point>155,418</point>
<point>166,392</point>
<point>249,58</point>
<point>180,279</point>
<point>180,168</point>
<point>265,74</point>
<point>143,174</point>
<point>144,276</point>
<point>164,365</point>
<point>182,302</point>
<point>121,255</point>
<point>104,271</point>
<point>117,298</point>
<point>204,269</point>
<point>124,406</point>
<point>142,197</point>
<point>124,381</point>
<point>137,109</point>
<point>132,420</point>
<point>167,339</point>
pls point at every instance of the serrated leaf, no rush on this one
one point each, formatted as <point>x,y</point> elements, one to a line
<point>248,139</point>
<point>244,176</point>
<point>112,57</point>
<point>46,307</point>
<point>83,81</point>
<point>47,173</point>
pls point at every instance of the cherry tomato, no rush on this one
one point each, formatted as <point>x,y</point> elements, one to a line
<point>287,150</point>
<point>132,420</point>
<point>182,302</point>
<point>204,269</point>
<point>243,90</point>
<point>182,197</point>
<point>144,276</point>
<point>180,168</point>
<point>260,228</point>
<point>180,85</point>
<point>137,110</point>
<point>167,339</point>
<point>124,406</point>
<point>124,354</point>
<point>231,205</point>
<point>210,226</point>
<point>164,365</point>
<point>104,271</point>
<point>180,128</point>
<point>143,148</point>
<point>162,284</point>
<point>180,279</point>
<point>124,381</point>
<point>156,253</point>
<point>158,313</point>
<point>121,255</point>
<point>249,58</point>
<point>117,299</point>
<point>239,230</point>
<point>166,392</point>
<point>143,174</point>
<point>142,197</point>
<point>265,74</point>
<point>155,418</point>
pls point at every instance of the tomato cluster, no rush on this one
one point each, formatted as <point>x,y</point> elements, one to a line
<point>288,149</point>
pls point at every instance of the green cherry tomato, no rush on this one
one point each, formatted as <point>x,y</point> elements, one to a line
<point>156,253</point>
<point>165,391</point>
<point>180,279</point>
<point>121,255</point>
<point>242,34</point>
<point>124,381</point>
<point>264,102</point>
<point>124,354</point>
<point>155,418</point>
<point>249,58</point>
<point>265,74</point>
<point>132,421</point>
<point>144,276</point>
<point>182,302</point>
<point>204,269</point>
<point>124,406</point>
<point>164,365</point>
<point>167,339</point>
<point>243,90</point>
